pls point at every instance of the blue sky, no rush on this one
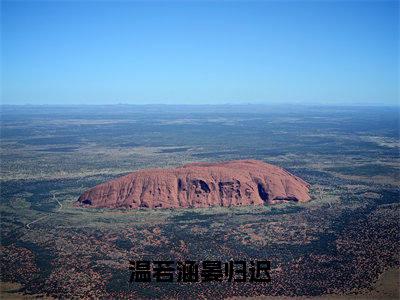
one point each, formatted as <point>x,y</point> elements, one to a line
<point>317,52</point>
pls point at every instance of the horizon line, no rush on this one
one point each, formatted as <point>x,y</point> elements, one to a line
<point>211,104</point>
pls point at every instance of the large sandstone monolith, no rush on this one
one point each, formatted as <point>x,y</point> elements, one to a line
<point>231,183</point>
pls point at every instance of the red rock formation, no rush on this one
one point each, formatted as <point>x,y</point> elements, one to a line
<point>242,182</point>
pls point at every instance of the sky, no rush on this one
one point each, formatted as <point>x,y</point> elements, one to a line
<point>200,52</point>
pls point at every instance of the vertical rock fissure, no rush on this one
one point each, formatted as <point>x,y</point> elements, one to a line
<point>262,192</point>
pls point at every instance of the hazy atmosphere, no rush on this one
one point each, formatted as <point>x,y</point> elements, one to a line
<point>201,52</point>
